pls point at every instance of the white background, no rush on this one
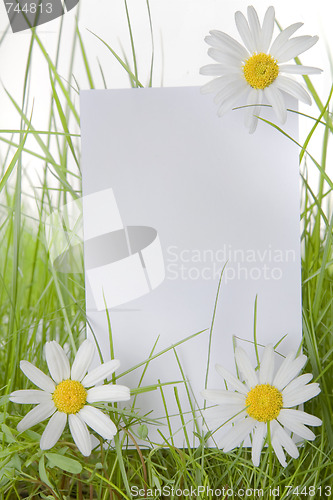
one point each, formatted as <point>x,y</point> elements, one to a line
<point>179,29</point>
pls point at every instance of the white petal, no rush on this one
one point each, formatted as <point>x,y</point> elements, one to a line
<point>231,379</point>
<point>252,112</point>
<point>253,125</point>
<point>100,373</point>
<point>29,396</point>
<point>53,430</point>
<point>110,393</point>
<point>221,397</point>
<point>258,441</point>
<point>286,441</point>
<point>235,85</point>
<point>230,45</point>
<point>213,41</point>
<point>255,27</point>
<point>232,56</point>
<point>215,416</point>
<point>274,426</point>
<point>98,421</point>
<point>237,434</point>
<point>218,84</point>
<point>277,447</point>
<point>294,47</point>
<point>231,95</point>
<point>302,417</point>
<point>244,31</point>
<point>299,69</point>
<point>36,415</point>
<point>37,377</point>
<point>82,361</point>
<point>249,111</point>
<point>294,426</point>
<point>267,366</point>
<point>245,367</point>
<point>298,383</point>
<point>275,98</point>
<point>300,396</point>
<point>213,86</point>
<point>283,37</point>
<point>289,369</point>
<point>80,434</point>
<point>223,58</point>
<point>283,369</point>
<point>57,361</point>
<point>268,28</point>
<point>293,88</point>
<point>214,70</point>
<point>219,415</point>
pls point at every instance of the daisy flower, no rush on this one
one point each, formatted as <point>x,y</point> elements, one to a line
<point>257,70</point>
<point>264,398</point>
<point>68,396</point>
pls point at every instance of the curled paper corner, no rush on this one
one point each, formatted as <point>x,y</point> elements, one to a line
<point>31,14</point>
<point>123,263</point>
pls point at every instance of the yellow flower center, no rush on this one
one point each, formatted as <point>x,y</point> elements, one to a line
<point>260,70</point>
<point>264,402</point>
<point>69,396</point>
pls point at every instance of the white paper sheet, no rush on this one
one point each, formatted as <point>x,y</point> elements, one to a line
<point>215,196</point>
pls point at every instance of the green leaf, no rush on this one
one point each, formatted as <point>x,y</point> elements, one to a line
<point>4,400</point>
<point>8,433</point>
<point>42,472</point>
<point>124,65</point>
<point>64,463</point>
<point>13,162</point>
<point>32,435</point>
<point>7,473</point>
<point>143,431</point>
